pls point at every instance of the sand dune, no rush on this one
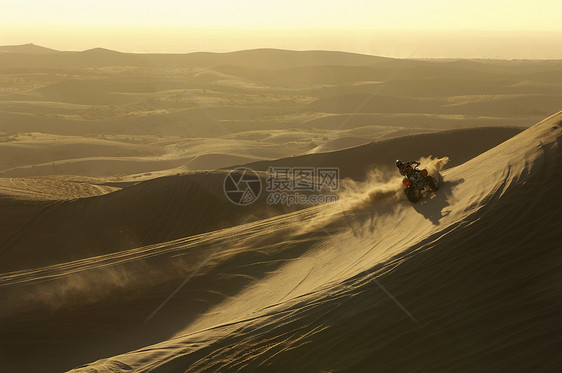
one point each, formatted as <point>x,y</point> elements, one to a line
<point>154,211</point>
<point>120,251</point>
<point>150,102</point>
<point>302,291</point>
<point>460,105</point>
<point>458,145</point>
<point>460,285</point>
<point>49,189</point>
<point>192,203</point>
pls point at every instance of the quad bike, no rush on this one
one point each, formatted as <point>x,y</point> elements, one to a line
<point>416,182</point>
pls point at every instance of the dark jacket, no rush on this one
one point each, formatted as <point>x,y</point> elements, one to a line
<point>407,168</point>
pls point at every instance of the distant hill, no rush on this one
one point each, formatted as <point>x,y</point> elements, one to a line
<point>26,48</point>
<point>100,51</point>
<point>269,59</point>
<point>279,58</point>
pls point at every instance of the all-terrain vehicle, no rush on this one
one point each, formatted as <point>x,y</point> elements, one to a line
<point>416,182</point>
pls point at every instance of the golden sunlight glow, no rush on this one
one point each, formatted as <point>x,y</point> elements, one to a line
<point>379,27</point>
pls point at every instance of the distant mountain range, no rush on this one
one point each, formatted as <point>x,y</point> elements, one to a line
<point>26,48</point>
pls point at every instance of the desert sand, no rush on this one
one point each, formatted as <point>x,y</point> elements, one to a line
<point>121,252</point>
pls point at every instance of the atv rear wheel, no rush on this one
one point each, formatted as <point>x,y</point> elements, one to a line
<point>432,183</point>
<point>412,195</point>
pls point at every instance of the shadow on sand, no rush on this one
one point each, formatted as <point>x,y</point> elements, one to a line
<point>432,205</point>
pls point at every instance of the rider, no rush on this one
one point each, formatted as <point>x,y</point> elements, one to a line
<point>406,169</point>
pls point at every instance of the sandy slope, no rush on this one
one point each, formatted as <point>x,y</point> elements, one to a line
<point>464,281</point>
<point>100,223</point>
<point>159,210</point>
<point>458,145</point>
<point>49,189</point>
<point>177,206</point>
<point>479,261</point>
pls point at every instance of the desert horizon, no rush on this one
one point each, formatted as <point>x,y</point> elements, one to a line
<point>411,53</point>
<point>286,201</point>
<point>391,43</point>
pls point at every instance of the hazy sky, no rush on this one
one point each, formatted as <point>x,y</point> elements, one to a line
<point>489,28</point>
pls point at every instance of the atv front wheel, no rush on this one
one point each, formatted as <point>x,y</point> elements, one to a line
<point>412,195</point>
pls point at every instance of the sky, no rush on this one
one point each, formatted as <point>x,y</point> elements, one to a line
<point>429,28</point>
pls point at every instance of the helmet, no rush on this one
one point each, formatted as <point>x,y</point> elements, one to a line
<point>399,163</point>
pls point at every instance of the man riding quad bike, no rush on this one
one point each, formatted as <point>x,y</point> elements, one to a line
<point>415,180</point>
